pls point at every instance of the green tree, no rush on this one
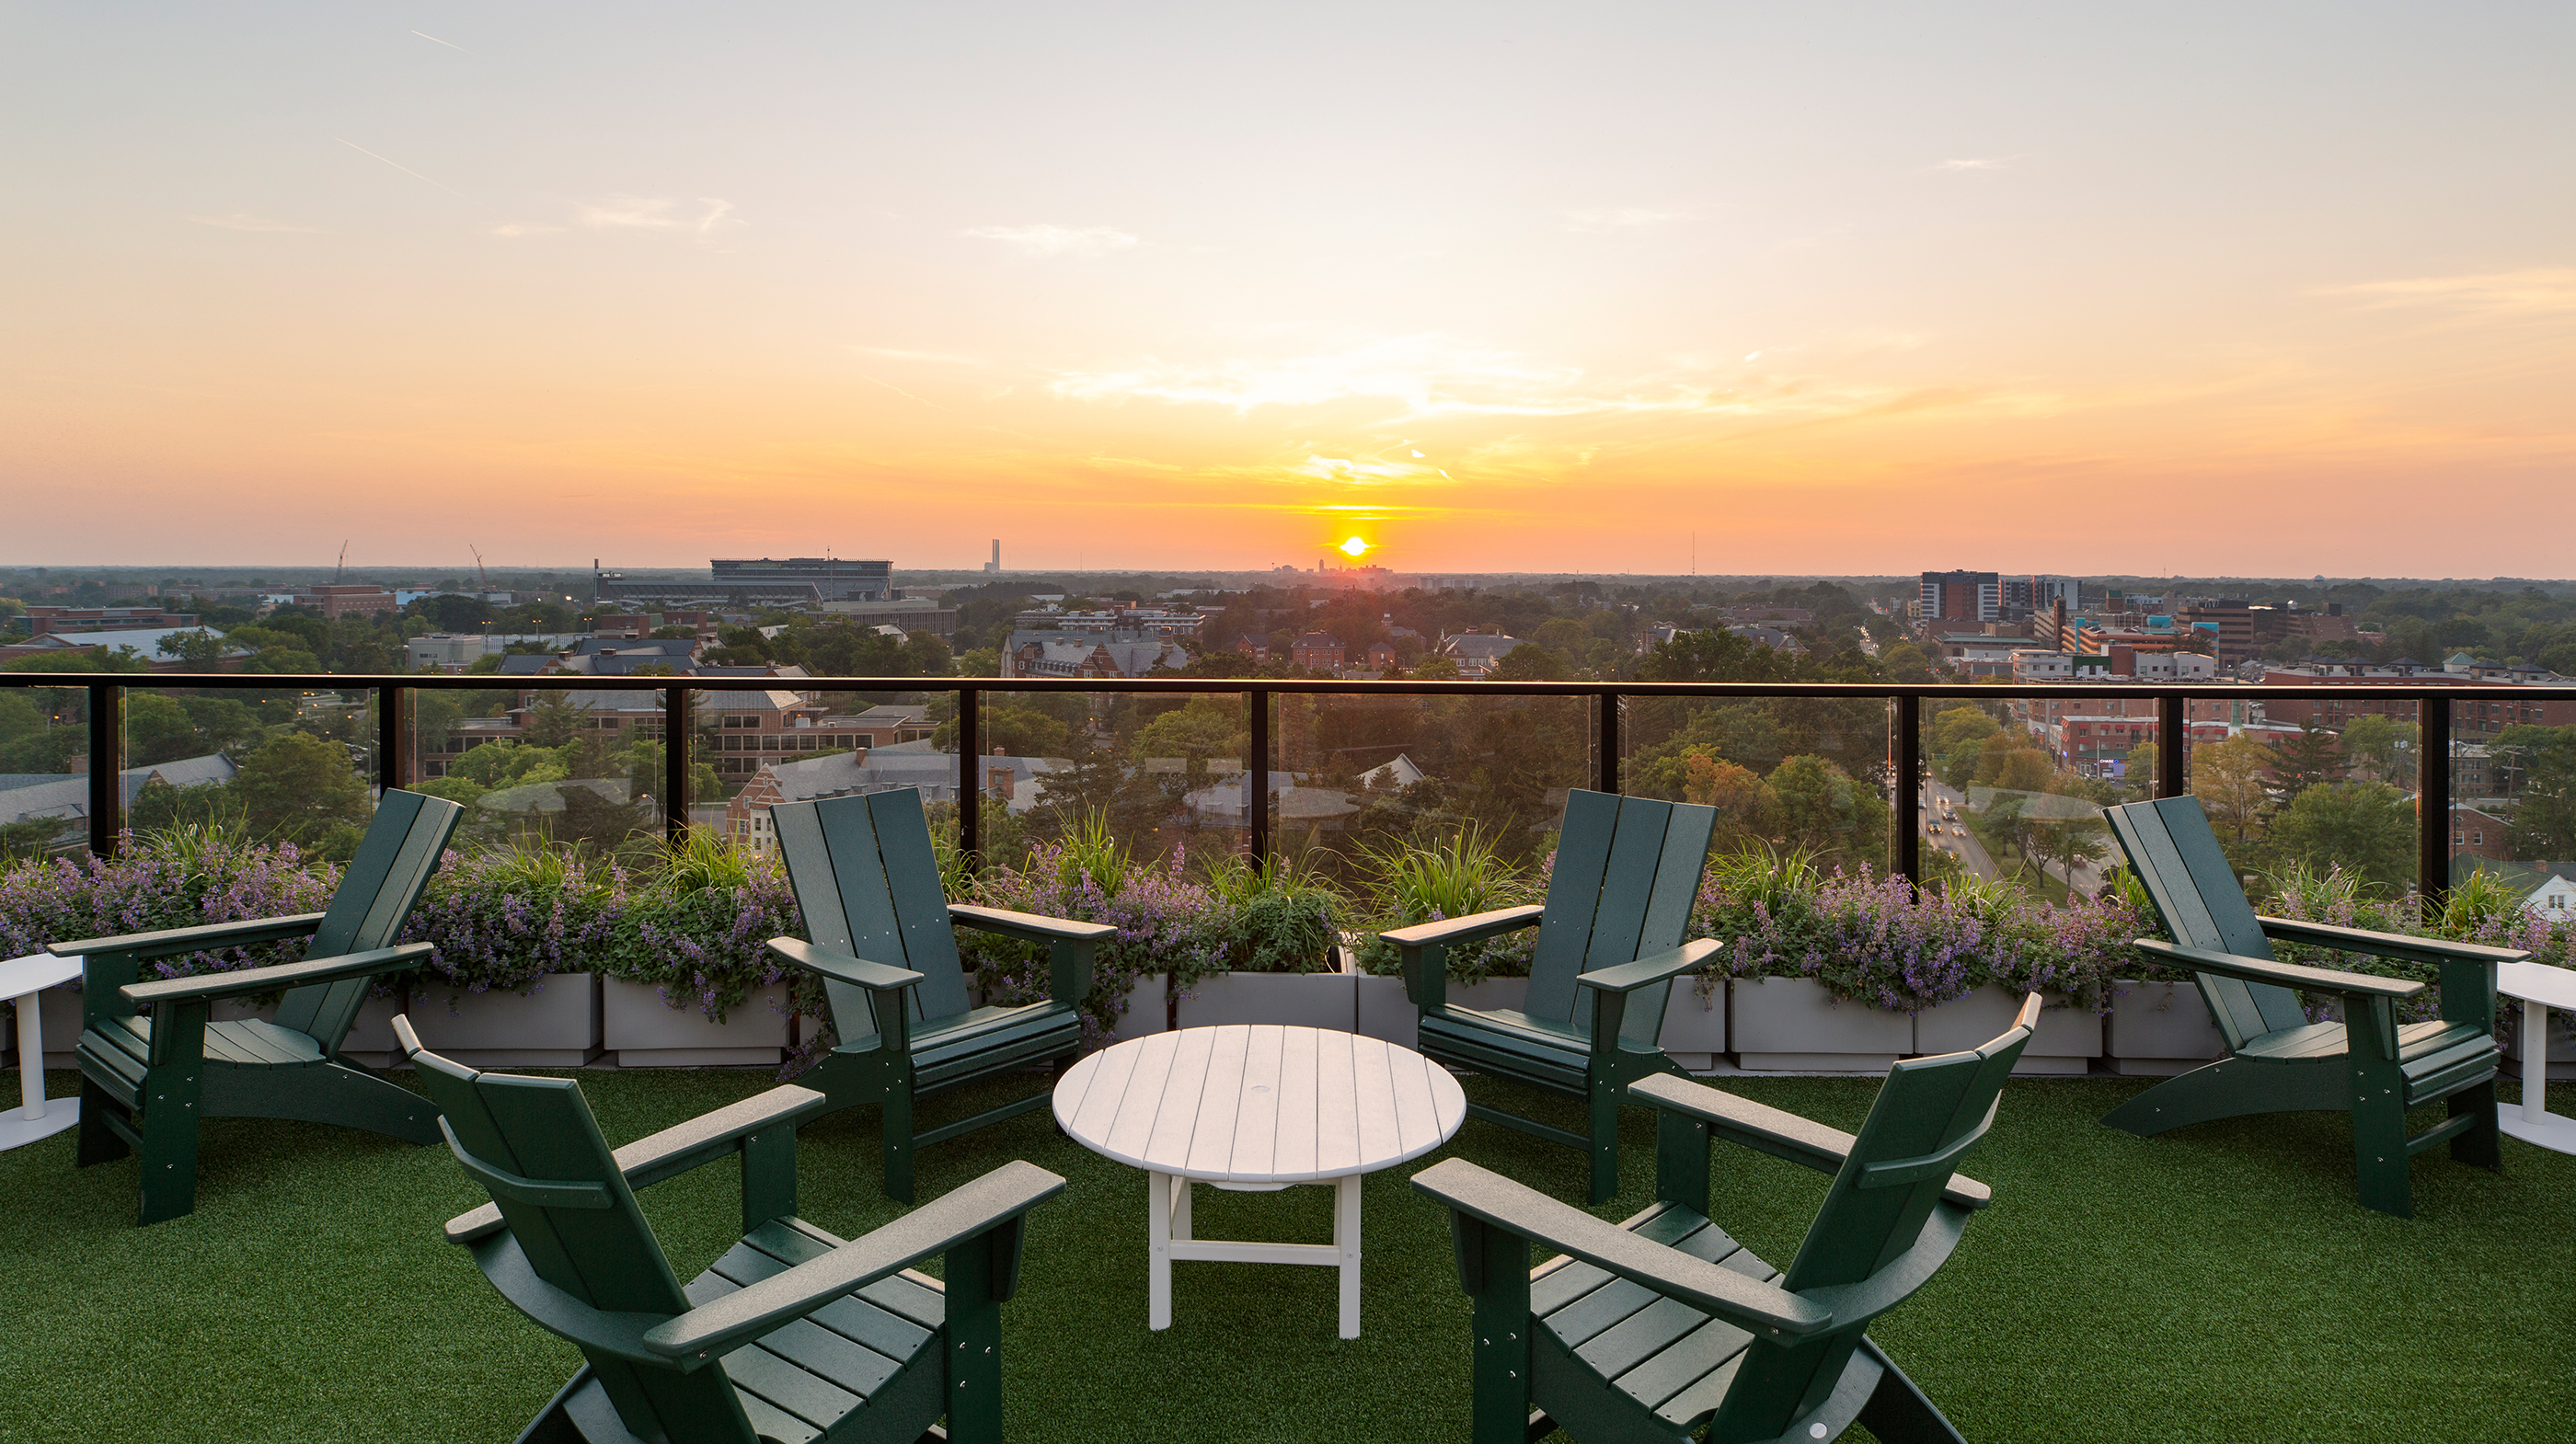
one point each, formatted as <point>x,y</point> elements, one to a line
<point>2542,763</point>
<point>2369,827</point>
<point>1436,668</point>
<point>2229,778</point>
<point>552,719</point>
<point>202,650</point>
<point>301,789</point>
<point>2382,747</point>
<point>1905,663</point>
<point>1529,662</point>
<point>2308,760</point>
<point>1819,807</point>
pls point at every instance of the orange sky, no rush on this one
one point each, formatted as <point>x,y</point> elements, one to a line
<point>1863,291</point>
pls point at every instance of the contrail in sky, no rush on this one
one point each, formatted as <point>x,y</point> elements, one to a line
<point>406,170</point>
<point>425,35</point>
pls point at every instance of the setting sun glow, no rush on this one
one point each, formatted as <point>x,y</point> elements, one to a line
<point>1355,547</point>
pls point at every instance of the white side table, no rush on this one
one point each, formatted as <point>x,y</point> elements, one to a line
<point>21,979</point>
<point>2541,988</point>
<point>1255,1108</point>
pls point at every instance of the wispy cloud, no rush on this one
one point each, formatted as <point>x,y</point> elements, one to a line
<point>940,357</point>
<point>515,230</point>
<point>1990,162</point>
<point>2539,291</point>
<point>242,221</point>
<point>657,213</point>
<point>1617,218</point>
<point>1056,240</point>
<point>1430,376</point>
<point>434,40</point>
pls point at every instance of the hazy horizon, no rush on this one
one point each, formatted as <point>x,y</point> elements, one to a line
<point>1853,291</point>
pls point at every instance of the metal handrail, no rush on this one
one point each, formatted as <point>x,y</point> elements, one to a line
<point>1905,699</point>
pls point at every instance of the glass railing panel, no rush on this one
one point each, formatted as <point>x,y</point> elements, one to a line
<point>1795,774</point>
<point>44,766</point>
<point>2316,794</point>
<point>543,766</point>
<point>263,765</point>
<point>2513,807</point>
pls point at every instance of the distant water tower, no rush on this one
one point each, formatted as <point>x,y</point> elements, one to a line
<point>994,567</point>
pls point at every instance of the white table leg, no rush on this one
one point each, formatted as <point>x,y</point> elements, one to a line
<point>2535,1061</point>
<point>1158,1236</point>
<point>1180,1208</point>
<point>31,1058</point>
<point>1346,1237</point>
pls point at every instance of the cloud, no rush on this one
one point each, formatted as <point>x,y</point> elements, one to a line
<point>1056,240</point>
<point>1991,162</point>
<point>656,213</point>
<point>1617,218</point>
<point>1424,376</point>
<point>2539,291</point>
<point>515,229</point>
<point>241,221</point>
<point>940,357</point>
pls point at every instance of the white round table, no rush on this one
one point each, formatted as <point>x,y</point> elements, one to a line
<point>2541,988</point>
<point>22,979</point>
<point>1255,1108</point>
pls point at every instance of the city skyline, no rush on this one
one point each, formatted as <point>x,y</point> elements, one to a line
<point>1496,290</point>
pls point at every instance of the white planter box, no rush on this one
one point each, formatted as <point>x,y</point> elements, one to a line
<point>555,1026</point>
<point>1694,1026</point>
<point>644,1032</point>
<point>1507,993</point>
<point>2160,1029</point>
<point>1146,1012</point>
<point>1300,1000</point>
<point>2562,1038</point>
<point>58,1013</point>
<point>1381,1009</point>
<point>2066,1041</point>
<point>1791,1025</point>
<point>371,1037</point>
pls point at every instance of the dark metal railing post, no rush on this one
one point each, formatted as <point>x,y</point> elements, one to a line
<point>106,767</point>
<point>1256,779</point>
<point>393,740</point>
<point>2173,734</point>
<point>1608,771</point>
<point>675,762</point>
<point>2433,811</point>
<point>1905,733</point>
<point>970,765</point>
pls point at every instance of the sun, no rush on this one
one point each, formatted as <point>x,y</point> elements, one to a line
<point>1354,547</point>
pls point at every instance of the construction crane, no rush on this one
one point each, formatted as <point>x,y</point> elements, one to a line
<point>479,574</point>
<point>343,567</point>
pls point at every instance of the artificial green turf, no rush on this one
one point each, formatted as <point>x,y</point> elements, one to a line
<point>2217,1283</point>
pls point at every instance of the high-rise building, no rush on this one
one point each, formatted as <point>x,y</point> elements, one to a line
<point>1962,596</point>
<point>994,567</point>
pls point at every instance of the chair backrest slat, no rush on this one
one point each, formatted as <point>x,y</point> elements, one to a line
<point>1627,870</point>
<point>867,881</point>
<point>378,890</point>
<point>607,1257</point>
<point>1573,896</point>
<point>2170,847</point>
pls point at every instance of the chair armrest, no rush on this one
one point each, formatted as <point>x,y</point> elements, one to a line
<point>1629,977</point>
<point>714,1329</point>
<point>1029,926</point>
<point>1468,929</point>
<point>841,967</point>
<point>1517,1209</point>
<point>2387,945</point>
<point>197,939</point>
<point>1766,1129</point>
<point>2265,970</point>
<point>207,986</point>
<point>677,1149</point>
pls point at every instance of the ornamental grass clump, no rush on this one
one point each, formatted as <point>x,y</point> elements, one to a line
<point>699,929</point>
<point>1279,918</point>
<point>1455,876</point>
<point>504,919</point>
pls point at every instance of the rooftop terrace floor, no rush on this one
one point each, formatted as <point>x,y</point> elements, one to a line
<point>2219,1283</point>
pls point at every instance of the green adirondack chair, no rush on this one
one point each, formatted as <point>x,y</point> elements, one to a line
<point>884,943</point>
<point>1609,946</point>
<point>1651,1328</point>
<point>792,1336</point>
<point>152,1064</point>
<point>2369,1065</point>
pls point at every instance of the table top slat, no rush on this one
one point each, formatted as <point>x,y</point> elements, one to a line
<point>1417,1119</point>
<point>1211,1147</point>
<point>1337,1113</point>
<point>1256,1123</point>
<point>1295,1151</point>
<point>1373,1075</point>
<point>1131,1125</point>
<point>1167,1142</point>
